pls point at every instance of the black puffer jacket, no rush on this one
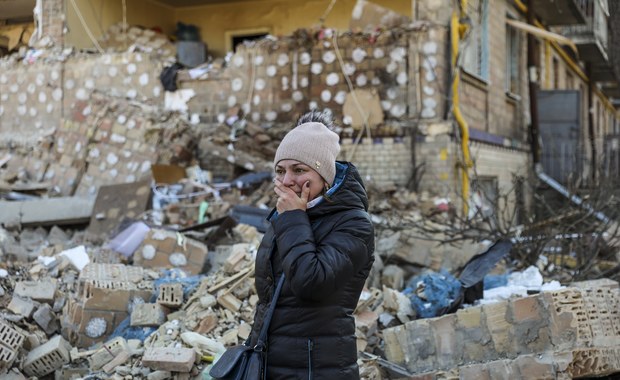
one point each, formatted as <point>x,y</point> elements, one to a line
<point>326,254</point>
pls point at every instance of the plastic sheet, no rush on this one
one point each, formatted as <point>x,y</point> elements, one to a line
<point>432,293</point>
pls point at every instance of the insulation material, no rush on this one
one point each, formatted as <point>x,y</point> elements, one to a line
<point>265,79</point>
<point>380,66</point>
<point>363,106</point>
<point>28,96</point>
<point>122,148</point>
<point>133,76</point>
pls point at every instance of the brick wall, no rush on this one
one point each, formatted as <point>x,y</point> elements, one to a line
<point>381,160</point>
<point>53,21</point>
<point>438,157</point>
<point>565,329</point>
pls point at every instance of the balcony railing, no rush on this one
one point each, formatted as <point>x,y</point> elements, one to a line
<point>592,37</point>
<point>561,12</point>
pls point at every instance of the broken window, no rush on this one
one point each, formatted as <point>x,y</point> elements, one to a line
<point>513,47</point>
<point>236,37</point>
<point>476,53</point>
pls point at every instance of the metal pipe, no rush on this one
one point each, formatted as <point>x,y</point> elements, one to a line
<point>572,197</point>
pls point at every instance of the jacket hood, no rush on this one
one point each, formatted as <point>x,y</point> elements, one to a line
<point>347,192</point>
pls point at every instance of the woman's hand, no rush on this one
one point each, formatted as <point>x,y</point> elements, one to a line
<point>288,199</point>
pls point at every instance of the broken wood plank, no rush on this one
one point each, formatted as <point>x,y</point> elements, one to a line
<point>230,279</point>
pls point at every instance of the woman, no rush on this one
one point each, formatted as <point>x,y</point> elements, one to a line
<point>322,239</point>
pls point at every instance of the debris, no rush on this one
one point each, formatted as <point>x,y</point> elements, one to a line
<point>46,212</point>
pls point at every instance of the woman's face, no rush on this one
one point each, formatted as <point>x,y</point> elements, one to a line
<point>293,174</point>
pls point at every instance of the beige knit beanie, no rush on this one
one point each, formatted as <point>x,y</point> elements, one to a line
<point>314,145</point>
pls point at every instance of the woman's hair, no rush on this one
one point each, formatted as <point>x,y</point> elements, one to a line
<point>315,116</point>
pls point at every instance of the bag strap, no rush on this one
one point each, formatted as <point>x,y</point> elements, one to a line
<point>262,337</point>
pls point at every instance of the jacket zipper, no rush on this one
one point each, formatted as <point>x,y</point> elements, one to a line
<point>310,347</point>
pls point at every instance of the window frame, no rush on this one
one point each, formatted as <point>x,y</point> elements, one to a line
<point>514,41</point>
<point>476,51</point>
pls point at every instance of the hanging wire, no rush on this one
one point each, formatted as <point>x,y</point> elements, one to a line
<point>85,26</point>
<point>327,12</point>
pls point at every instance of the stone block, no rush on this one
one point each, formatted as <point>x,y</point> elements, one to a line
<point>525,309</point>
<point>531,367</point>
<point>47,358</point>
<point>20,306</point>
<point>495,315</point>
<point>169,359</point>
<point>40,291</point>
<point>449,350</point>
<point>502,369</point>
<point>147,314</point>
<point>46,319</point>
<point>475,372</point>
<point>120,359</point>
<point>208,323</point>
<point>229,301</point>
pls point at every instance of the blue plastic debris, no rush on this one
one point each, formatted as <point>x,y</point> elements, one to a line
<point>495,280</point>
<point>125,330</point>
<point>173,276</point>
<point>433,293</point>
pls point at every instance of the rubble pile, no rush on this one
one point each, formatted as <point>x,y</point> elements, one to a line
<point>121,38</point>
<point>130,230</point>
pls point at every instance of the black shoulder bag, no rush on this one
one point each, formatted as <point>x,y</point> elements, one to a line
<point>242,362</point>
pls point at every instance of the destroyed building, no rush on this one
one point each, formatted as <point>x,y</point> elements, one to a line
<point>170,112</point>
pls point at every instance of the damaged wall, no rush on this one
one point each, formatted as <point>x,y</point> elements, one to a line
<point>568,333</point>
<point>99,15</point>
<point>216,21</point>
<point>280,17</point>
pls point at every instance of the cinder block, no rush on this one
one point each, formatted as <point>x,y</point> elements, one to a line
<point>105,354</point>
<point>170,295</point>
<point>46,319</point>
<point>23,307</point>
<point>9,337</point>
<point>13,374</point>
<point>47,358</point>
<point>169,359</point>
<point>594,362</point>
<point>7,356</point>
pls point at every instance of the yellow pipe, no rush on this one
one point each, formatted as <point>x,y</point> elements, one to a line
<point>548,63</point>
<point>457,31</point>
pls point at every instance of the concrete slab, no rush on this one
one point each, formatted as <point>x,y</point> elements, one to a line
<point>48,211</point>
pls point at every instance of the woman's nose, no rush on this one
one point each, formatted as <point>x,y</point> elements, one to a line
<point>287,180</point>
